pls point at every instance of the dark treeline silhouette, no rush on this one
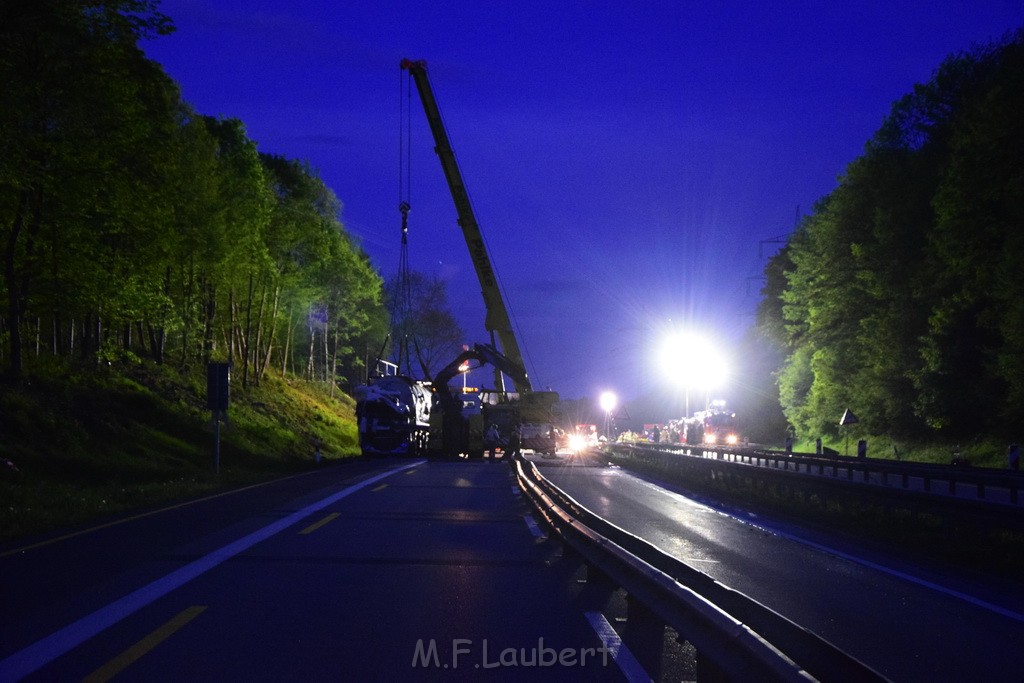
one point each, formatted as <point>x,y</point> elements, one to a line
<point>901,296</point>
<point>132,227</point>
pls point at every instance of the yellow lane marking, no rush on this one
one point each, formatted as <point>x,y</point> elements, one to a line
<point>379,488</point>
<point>141,648</point>
<point>313,527</point>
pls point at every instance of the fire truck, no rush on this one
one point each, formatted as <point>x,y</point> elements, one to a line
<point>716,425</point>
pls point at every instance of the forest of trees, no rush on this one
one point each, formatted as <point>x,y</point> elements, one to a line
<point>133,227</point>
<point>901,297</point>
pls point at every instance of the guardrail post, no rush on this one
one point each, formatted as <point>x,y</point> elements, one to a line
<point>706,671</point>
<point>644,633</point>
<point>599,589</point>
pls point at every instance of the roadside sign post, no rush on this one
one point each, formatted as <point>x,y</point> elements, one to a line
<point>849,418</point>
<point>218,394</point>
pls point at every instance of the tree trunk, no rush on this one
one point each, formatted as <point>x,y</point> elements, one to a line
<point>14,303</point>
<point>326,358</point>
<point>287,343</point>
<point>142,337</point>
<point>272,332</point>
<point>99,334</point>
<point>187,310</point>
<point>259,336</point>
<point>334,362</point>
<point>84,346</point>
<point>158,334</point>
<point>210,310</point>
<point>246,346</point>
<point>231,326</point>
<point>312,351</point>
<point>156,343</point>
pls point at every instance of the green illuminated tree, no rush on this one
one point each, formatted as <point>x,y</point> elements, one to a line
<point>81,103</point>
<point>901,298</point>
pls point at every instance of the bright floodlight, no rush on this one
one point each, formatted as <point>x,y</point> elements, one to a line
<point>693,362</point>
<point>608,401</point>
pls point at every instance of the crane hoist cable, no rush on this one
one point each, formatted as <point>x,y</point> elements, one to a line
<point>402,312</point>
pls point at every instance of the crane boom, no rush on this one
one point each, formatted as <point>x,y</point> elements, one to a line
<point>497,321</point>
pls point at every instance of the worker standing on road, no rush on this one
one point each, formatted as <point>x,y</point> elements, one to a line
<point>514,444</point>
<point>491,439</point>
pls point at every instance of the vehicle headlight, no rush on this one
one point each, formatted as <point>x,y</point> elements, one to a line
<point>577,442</point>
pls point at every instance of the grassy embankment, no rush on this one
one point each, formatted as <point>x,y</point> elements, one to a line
<point>96,441</point>
<point>980,453</point>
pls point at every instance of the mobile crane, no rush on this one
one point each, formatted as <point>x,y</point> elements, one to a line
<point>534,407</point>
<point>497,321</point>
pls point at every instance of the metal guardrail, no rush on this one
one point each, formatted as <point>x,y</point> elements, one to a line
<point>964,482</point>
<point>979,517</point>
<point>737,639</point>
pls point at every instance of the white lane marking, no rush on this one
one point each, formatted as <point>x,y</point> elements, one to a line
<point>628,664</point>
<point>662,487</point>
<point>42,652</point>
<point>977,602</point>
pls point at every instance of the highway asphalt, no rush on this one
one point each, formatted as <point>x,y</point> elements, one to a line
<point>397,569</point>
<point>386,569</point>
<point>910,623</point>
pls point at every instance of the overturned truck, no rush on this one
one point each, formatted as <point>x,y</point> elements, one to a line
<point>398,415</point>
<point>393,415</point>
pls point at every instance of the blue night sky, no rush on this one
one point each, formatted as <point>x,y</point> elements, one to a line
<point>630,163</point>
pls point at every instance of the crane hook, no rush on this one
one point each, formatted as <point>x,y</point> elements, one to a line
<point>404,208</point>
